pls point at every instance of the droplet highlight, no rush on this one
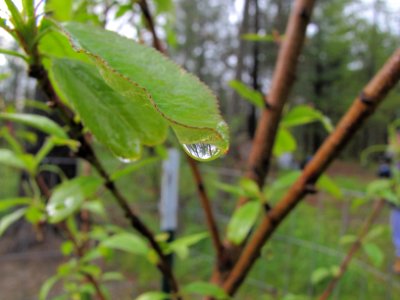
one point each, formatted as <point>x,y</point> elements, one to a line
<point>202,151</point>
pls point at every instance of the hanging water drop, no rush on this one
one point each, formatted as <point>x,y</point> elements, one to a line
<point>202,151</point>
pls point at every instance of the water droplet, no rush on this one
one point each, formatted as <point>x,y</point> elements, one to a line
<point>202,151</point>
<point>126,160</point>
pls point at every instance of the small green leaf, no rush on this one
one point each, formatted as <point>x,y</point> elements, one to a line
<point>153,296</point>
<point>67,248</point>
<point>59,10</point>
<point>304,114</point>
<point>242,221</point>
<point>181,245</point>
<point>34,215</point>
<point>10,159</point>
<point>373,233</point>
<point>284,142</point>
<point>39,122</point>
<point>13,53</point>
<point>205,289</point>
<point>326,184</point>
<point>250,188</point>
<point>229,188</point>
<point>254,37</point>
<point>6,204</point>
<point>133,167</point>
<point>47,286</point>
<point>69,196</point>
<point>9,219</point>
<point>319,275</point>
<point>95,207</point>
<point>253,96</point>
<point>374,253</point>
<point>127,242</point>
<point>112,276</point>
<point>347,239</point>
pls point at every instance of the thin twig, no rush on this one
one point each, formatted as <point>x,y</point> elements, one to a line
<point>354,248</point>
<point>205,202</point>
<point>363,106</point>
<point>150,24</point>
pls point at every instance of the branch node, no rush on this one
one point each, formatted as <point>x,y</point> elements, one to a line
<point>368,101</point>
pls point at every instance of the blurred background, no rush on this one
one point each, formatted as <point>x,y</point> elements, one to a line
<point>222,41</point>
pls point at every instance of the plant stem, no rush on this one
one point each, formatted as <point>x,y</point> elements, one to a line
<point>363,106</point>
<point>354,248</point>
<point>205,202</point>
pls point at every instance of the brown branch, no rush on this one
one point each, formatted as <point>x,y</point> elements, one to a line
<point>363,106</point>
<point>151,26</point>
<point>354,248</point>
<point>205,202</point>
<point>282,81</point>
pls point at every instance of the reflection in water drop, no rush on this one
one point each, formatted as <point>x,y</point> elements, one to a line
<point>202,151</point>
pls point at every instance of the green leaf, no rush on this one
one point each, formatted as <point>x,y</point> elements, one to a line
<point>121,123</point>
<point>69,196</point>
<point>382,189</point>
<point>13,53</point>
<point>16,19</point>
<point>347,239</point>
<point>133,167</point>
<point>47,286</point>
<point>280,185</point>
<point>122,10</point>
<point>153,296</point>
<point>374,253</point>
<point>163,6</point>
<point>242,221</point>
<point>39,122</point>
<point>9,219</point>
<point>181,245</point>
<point>284,142</point>
<point>229,188</point>
<point>155,83</point>
<point>34,215</point>
<point>112,276</point>
<point>249,94</point>
<point>95,207</point>
<point>326,184</point>
<point>304,114</point>
<point>374,233</point>
<point>250,188</point>
<point>67,248</point>
<point>6,204</point>
<point>59,10</point>
<point>319,275</point>
<point>127,242</point>
<point>205,289</point>
<point>254,37</point>
<point>10,159</point>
